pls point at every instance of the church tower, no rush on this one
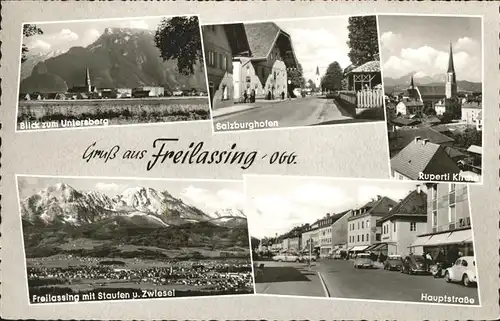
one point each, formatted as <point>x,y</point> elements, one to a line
<point>317,78</point>
<point>412,85</point>
<point>451,80</point>
<point>87,81</point>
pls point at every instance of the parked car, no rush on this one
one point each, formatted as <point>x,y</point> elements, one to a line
<point>363,260</point>
<point>337,256</point>
<point>286,257</point>
<point>393,263</point>
<point>439,269</point>
<point>464,271</point>
<point>307,257</point>
<point>178,93</point>
<point>415,264</point>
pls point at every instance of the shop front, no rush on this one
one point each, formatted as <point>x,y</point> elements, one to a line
<point>459,242</point>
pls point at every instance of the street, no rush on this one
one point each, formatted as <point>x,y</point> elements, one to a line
<point>305,111</point>
<point>342,280</point>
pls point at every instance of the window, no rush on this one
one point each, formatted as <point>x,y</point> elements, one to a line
<point>358,225</point>
<point>394,226</point>
<point>224,63</point>
<point>362,224</point>
<point>413,226</point>
<point>248,71</point>
<point>464,263</point>
<point>358,238</point>
<point>362,238</point>
<point>367,223</point>
<point>452,215</point>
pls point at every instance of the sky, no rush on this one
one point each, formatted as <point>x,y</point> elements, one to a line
<point>64,35</point>
<point>421,44</point>
<point>318,42</point>
<point>277,204</point>
<point>208,196</point>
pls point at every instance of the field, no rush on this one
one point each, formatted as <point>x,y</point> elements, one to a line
<point>115,111</point>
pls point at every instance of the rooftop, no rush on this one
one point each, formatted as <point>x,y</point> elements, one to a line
<point>404,121</point>
<point>370,66</point>
<point>432,91</point>
<point>475,149</point>
<point>472,105</point>
<point>414,204</point>
<point>379,207</point>
<point>403,137</point>
<point>422,156</point>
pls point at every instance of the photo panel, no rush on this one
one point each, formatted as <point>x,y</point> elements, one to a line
<point>433,83</point>
<point>107,72</point>
<point>100,239</point>
<point>293,73</point>
<point>360,239</point>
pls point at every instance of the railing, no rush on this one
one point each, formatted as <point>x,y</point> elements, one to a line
<point>461,223</point>
<point>366,98</point>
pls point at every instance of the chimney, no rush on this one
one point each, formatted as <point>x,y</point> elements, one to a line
<point>425,141</point>
<point>379,197</point>
<point>417,139</point>
<point>418,189</point>
<point>327,214</point>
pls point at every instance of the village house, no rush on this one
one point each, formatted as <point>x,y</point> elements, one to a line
<point>448,220</point>
<point>325,235</point>
<point>422,157</point>
<point>310,238</point>
<point>363,230</point>
<point>410,108</point>
<point>404,222</point>
<point>399,139</point>
<point>471,112</point>
<point>264,71</point>
<point>221,44</point>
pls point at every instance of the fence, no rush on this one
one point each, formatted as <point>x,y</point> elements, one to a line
<point>366,98</point>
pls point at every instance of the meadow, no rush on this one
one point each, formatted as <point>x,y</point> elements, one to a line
<point>116,111</point>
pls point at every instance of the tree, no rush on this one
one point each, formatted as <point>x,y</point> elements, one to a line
<point>29,30</point>
<point>179,38</point>
<point>332,78</point>
<point>363,39</point>
<point>296,77</point>
<point>255,243</point>
<point>311,84</point>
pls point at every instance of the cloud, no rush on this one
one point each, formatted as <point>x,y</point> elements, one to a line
<point>40,45</point>
<point>427,60</point>
<point>65,35</point>
<point>390,39</point>
<point>224,198</point>
<point>111,187</point>
<point>90,36</point>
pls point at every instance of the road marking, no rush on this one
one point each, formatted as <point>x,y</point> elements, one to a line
<point>325,289</point>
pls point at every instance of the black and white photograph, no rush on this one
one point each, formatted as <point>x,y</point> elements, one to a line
<point>432,70</point>
<point>293,73</point>
<point>109,72</point>
<point>92,239</point>
<point>361,239</point>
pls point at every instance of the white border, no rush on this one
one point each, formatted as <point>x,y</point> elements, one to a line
<point>324,178</point>
<point>483,163</point>
<point>122,178</point>
<point>361,122</point>
<point>16,130</point>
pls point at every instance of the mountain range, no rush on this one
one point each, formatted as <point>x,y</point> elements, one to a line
<point>403,82</point>
<point>61,204</point>
<point>119,58</point>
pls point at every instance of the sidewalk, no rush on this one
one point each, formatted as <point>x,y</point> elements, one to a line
<point>241,107</point>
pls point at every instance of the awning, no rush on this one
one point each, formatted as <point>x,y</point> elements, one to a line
<point>371,247</point>
<point>378,246</point>
<point>350,249</point>
<point>358,248</point>
<point>455,237</point>
<point>420,241</point>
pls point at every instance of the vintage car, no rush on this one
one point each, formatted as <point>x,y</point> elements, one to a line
<point>286,257</point>
<point>415,264</point>
<point>363,260</point>
<point>463,270</point>
<point>305,257</point>
<point>393,263</point>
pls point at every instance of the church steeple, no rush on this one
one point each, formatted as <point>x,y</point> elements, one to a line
<point>451,66</point>
<point>451,78</point>
<point>87,80</point>
<point>412,85</point>
<point>317,70</point>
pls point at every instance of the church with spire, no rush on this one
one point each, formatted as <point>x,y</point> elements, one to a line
<point>87,88</point>
<point>317,78</point>
<point>442,98</point>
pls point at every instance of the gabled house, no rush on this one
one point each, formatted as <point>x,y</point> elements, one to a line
<point>404,222</point>
<point>401,138</point>
<point>422,157</point>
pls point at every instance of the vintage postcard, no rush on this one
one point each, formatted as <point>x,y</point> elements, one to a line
<point>91,239</point>
<point>433,85</point>
<point>362,239</point>
<point>106,72</point>
<point>293,73</point>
